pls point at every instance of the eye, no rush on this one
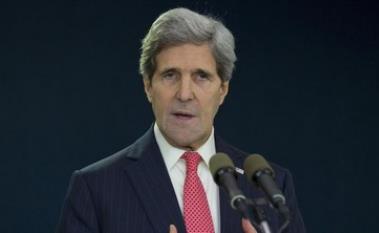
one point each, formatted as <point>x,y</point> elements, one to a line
<point>170,75</point>
<point>202,76</point>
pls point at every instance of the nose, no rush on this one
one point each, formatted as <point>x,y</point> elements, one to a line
<point>185,90</point>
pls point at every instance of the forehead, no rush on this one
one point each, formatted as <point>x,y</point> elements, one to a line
<point>186,56</point>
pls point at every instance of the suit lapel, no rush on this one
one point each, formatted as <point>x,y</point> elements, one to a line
<point>231,219</point>
<point>149,176</point>
<point>150,179</point>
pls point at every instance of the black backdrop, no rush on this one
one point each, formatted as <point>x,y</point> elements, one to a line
<point>304,94</point>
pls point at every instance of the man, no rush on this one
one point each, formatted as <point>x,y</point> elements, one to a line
<point>161,183</point>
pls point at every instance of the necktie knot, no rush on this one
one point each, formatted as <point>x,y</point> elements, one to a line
<point>192,159</point>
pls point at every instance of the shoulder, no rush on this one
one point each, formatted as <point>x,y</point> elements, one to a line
<point>122,158</point>
<point>283,179</point>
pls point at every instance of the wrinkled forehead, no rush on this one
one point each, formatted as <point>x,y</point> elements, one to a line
<point>186,57</point>
<point>209,51</point>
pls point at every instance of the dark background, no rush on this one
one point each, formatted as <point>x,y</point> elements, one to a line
<point>304,94</point>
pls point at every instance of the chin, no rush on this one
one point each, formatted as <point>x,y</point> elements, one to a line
<point>188,141</point>
<point>182,141</point>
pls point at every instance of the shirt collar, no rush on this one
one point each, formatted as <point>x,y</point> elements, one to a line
<point>171,154</point>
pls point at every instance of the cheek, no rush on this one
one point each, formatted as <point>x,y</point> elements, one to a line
<point>160,103</point>
<point>211,107</point>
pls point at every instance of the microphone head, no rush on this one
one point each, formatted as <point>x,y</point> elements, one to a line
<point>254,163</point>
<point>219,161</point>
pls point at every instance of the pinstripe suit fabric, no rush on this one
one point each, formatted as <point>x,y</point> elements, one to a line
<point>130,191</point>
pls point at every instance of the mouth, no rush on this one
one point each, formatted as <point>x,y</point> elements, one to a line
<point>183,115</point>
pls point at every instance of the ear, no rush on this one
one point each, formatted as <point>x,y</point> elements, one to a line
<point>147,87</point>
<point>224,89</point>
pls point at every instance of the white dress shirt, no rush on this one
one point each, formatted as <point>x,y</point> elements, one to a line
<point>176,168</point>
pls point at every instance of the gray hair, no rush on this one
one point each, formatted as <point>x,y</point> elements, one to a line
<point>181,25</point>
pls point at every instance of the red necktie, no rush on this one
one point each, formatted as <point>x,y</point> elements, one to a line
<point>197,216</point>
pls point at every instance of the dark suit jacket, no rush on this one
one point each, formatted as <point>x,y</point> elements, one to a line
<point>131,191</point>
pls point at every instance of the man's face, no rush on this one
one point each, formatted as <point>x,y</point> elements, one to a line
<point>185,92</point>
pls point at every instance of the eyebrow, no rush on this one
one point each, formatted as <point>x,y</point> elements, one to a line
<point>203,71</point>
<point>169,69</point>
<point>195,71</point>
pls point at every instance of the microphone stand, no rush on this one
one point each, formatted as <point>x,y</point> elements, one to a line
<point>250,209</point>
<point>258,212</point>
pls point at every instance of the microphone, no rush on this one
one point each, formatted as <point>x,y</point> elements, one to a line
<point>224,174</point>
<point>258,171</point>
